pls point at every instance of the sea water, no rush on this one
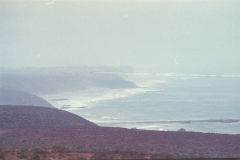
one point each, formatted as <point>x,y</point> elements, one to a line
<point>162,101</point>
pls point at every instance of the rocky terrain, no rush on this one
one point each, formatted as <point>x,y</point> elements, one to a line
<point>62,153</point>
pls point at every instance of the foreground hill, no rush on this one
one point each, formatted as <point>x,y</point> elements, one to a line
<point>62,153</point>
<point>34,127</point>
<point>11,96</point>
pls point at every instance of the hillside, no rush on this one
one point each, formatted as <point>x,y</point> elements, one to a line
<point>62,153</point>
<point>54,80</point>
<point>28,116</point>
<point>34,127</point>
<point>11,96</point>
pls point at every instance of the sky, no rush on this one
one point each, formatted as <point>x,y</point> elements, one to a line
<point>200,36</point>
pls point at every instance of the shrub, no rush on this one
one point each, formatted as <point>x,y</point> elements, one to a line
<point>22,155</point>
<point>2,157</point>
<point>60,149</point>
<point>39,151</point>
<point>35,157</point>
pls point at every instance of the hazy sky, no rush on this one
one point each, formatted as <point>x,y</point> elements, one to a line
<point>169,35</point>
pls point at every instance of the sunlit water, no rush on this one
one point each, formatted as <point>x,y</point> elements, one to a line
<point>202,103</point>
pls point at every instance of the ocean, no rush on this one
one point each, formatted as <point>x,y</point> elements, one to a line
<point>163,101</point>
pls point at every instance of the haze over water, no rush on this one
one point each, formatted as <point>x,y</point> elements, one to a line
<point>202,103</point>
<point>186,36</point>
<point>190,38</point>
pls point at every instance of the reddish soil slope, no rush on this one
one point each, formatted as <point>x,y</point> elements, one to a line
<point>60,153</point>
<point>31,127</point>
